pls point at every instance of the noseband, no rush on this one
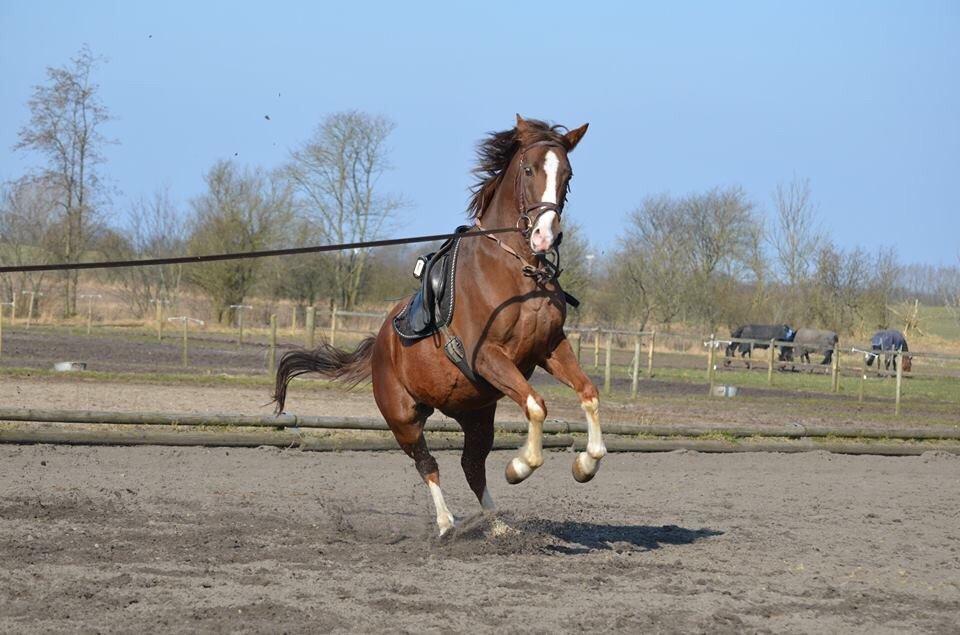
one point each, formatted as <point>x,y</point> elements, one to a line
<point>548,264</point>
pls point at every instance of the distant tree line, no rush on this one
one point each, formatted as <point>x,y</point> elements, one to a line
<point>706,258</point>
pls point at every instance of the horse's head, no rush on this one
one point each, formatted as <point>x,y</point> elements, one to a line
<point>907,363</point>
<point>543,176</point>
<point>529,167</point>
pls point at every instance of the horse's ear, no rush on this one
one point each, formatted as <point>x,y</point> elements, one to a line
<point>572,138</point>
<point>521,122</point>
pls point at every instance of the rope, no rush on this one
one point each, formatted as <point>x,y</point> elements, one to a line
<point>291,251</point>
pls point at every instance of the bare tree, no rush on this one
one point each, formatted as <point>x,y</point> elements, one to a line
<point>948,287</point>
<point>157,229</point>
<point>721,226</point>
<point>656,257</point>
<point>796,232</point>
<point>336,174</point>
<point>576,276</point>
<point>241,211</point>
<point>29,231</point>
<point>66,116</point>
<point>884,274</point>
<point>307,278</point>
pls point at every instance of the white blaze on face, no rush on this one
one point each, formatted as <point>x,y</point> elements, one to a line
<point>542,234</point>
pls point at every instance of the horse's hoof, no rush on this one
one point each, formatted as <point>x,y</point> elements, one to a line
<point>584,467</point>
<point>517,471</point>
<point>445,524</point>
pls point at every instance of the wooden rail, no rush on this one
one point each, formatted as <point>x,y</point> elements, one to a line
<point>292,422</point>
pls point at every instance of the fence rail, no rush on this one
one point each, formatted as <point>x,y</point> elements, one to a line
<point>135,428</point>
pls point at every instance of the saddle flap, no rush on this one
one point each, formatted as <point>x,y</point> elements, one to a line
<point>432,306</point>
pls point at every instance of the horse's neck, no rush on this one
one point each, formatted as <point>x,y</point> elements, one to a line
<point>494,262</point>
<point>503,211</point>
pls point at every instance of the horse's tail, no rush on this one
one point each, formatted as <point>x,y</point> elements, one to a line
<point>328,361</point>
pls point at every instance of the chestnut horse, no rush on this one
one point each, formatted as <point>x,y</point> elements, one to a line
<point>509,315</point>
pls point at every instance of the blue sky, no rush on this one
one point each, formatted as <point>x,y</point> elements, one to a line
<point>861,98</point>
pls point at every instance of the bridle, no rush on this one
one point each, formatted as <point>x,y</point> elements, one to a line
<point>548,264</point>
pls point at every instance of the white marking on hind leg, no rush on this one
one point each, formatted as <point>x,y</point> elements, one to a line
<point>444,517</point>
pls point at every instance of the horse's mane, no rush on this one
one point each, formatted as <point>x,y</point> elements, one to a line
<point>495,153</point>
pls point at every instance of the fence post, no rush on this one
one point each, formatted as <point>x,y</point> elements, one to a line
<point>898,358</point>
<point>238,309</point>
<point>89,298</point>
<point>333,326</point>
<point>607,363</point>
<point>311,325</point>
<point>835,371</point>
<point>596,349</point>
<point>863,376</point>
<point>653,340</point>
<point>710,365</point>
<point>159,315</point>
<point>184,354</point>
<point>13,306</point>
<point>32,295</point>
<point>293,319</point>
<point>577,337</point>
<point>272,355</point>
<point>770,365</point>
<point>636,366</point>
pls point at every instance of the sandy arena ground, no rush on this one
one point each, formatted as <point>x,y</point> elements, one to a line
<point>184,539</point>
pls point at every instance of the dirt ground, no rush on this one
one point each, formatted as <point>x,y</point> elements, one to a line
<point>264,540</point>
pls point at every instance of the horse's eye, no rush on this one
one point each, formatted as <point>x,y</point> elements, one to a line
<point>528,171</point>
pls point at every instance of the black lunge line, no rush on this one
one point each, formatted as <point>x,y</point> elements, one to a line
<point>291,251</point>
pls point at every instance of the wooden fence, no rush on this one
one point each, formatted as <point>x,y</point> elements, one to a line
<point>644,353</point>
<point>287,430</point>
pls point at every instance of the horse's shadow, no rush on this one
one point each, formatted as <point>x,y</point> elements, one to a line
<point>580,537</point>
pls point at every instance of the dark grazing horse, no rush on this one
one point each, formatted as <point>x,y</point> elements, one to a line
<point>808,341</point>
<point>765,333</point>
<point>889,342</point>
<point>509,317</point>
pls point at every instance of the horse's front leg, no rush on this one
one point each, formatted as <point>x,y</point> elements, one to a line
<point>563,365</point>
<point>499,370</point>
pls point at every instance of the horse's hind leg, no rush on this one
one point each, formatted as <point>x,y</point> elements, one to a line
<point>406,419</point>
<point>477,442</point>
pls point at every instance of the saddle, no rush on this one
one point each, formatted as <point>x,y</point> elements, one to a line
<point>431,308</point>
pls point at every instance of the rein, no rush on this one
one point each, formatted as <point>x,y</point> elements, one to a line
<point>548,265</point>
